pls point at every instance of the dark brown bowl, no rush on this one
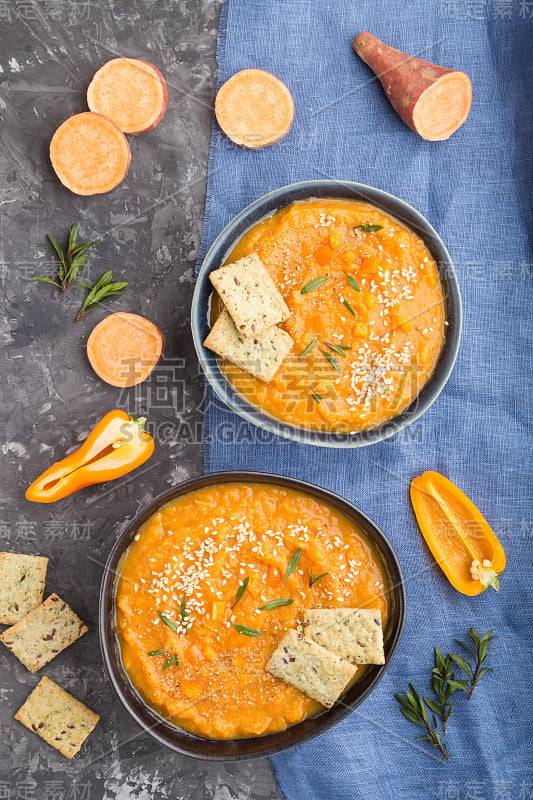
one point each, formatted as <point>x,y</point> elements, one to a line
<point>179,740</point>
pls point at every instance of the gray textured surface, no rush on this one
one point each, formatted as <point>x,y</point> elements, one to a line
<point>150,230</point>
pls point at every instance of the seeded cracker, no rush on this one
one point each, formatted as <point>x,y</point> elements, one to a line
<point>261,355</point>
<point>250,295</point>
<point>352,633</point>
<point>43,633</point>
<point>57,717</point>
<point>310,668</point>
<point>22,580</point>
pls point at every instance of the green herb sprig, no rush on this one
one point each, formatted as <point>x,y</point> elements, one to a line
<point>308,349</point>
<point>173,659</point>
<point>338,348</point>
<point>479,649</point>
<point>316,397</point>
<point>156,653</point>
<point>352,282</point>
<point>291,566</point>
<point>314,284</point>
<point>246,631</point>
<point>349,307</point>
<point>413,708</point>
<point>103,289</point>
<point>332,360</point>
<point>70,262</point>
<point>442,674</point>
<point>313,578</point>
<point>444,684</point>
<point>368,228</point>
<point>168,622</point>
<point>272,604</point>
<point>241,590</point>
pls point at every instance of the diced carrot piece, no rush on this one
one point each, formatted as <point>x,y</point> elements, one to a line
<point>323,255</point>
<point>123,349</point>
<point>191,688</point>
<point>334,238</point>
<point>218,610</point>
<point>360,329</point>
<point>254,108</point>
<point>89,154</point>
<point>131,93</point>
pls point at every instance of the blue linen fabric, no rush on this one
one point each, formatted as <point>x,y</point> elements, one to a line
<point>476,191</point>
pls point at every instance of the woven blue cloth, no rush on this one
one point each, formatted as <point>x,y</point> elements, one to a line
<point>476,189</point>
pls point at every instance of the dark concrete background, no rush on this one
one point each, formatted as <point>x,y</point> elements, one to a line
<point>149,230</point>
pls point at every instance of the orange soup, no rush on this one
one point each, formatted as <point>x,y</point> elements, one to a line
<point>181,607</point>
<point>367,314</point>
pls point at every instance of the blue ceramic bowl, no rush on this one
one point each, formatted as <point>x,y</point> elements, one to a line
<point>267,205</point>
<point>179,740</point>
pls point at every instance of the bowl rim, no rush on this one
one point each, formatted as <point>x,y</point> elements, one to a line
<point>225,241</point>
<point>249,748</point>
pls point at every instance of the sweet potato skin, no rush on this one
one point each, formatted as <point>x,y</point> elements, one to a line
<point>405,78</point>
<point>82,155</point>
<point>94,105</point>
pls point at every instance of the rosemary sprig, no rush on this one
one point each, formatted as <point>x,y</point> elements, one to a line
<point>173,659</point>
<point>442,674</point>
<point>332,360</point>
<point>314,284</point>
<point>246,631</point>
<point>69,263</point>
<point>272,604</point>
<point>479,650</point>
<point>168,622</point>
<point>291,566</point>
<point>156,653</point>
<point>308,349</point>
<point>367,228</point>
<point>352,282</point>
<point>241,590</point>
<point>338,348</point>
<point>349,307</point>
<point>316,397</point>
<point>102,290</point>
<point>313,578</point>
<point>413,708</point>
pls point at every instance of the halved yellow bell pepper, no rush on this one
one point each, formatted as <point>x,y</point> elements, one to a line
<point>458,535</point>
<point>116,446</point>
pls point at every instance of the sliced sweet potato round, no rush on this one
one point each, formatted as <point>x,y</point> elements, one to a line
<point>89,154</point>
<point>124,348</point>
<point>131,93</point>
<point>254,108</point>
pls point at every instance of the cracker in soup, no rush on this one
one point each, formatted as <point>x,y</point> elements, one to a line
<point>310,668</point>
<point>250,295</point>
<point>352,633</point>
<point>260,355</point>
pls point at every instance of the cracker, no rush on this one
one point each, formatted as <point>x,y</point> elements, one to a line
<point>352,633</point>
<point>43,633</point>
<point>261,355</point>
<point>250,295</point>
<point>310,668</point>
<point>22,580</point>
<point>57,717</point>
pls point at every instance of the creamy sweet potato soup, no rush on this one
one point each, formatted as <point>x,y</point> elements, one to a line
<point>184,623</point>
<point>367,314</point>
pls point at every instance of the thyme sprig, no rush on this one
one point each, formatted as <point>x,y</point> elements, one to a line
<point>291,566</point>
<point>70,262</point>
<point>314,578</point>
